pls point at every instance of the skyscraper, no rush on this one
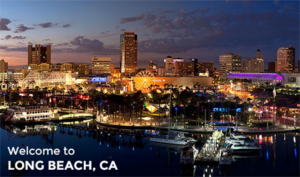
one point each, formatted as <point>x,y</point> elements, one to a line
<point>229,63</point>
<point>101,65</point>
<point>128,59</point>
<point>285,59</point>
<point>253,65</point>
<point>3,66</point>
<point>39,54</point>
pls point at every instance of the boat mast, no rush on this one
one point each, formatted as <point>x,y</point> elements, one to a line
<point>170,113</point>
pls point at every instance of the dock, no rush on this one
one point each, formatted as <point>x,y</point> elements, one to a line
<point>210,151</point>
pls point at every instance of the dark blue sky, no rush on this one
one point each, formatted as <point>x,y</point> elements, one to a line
<point>79,30</point>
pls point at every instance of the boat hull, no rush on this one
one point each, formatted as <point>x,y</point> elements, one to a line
<point>225,161</point>
<point>168,141</point>
<point>246,151</point>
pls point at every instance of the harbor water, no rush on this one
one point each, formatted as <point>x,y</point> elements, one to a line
<point>134,155</point>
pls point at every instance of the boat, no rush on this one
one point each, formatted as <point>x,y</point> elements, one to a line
<point>225,157</point>
<point>235,158</point>
<point>27,114</point>
<point>230,140</point>
<point>178,139</point>
<point>249,147</point>
<point>188,155</point>
<point>171,147</point>
<point>238,137</point>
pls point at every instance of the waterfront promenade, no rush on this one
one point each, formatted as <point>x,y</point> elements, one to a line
<point>195,129</point>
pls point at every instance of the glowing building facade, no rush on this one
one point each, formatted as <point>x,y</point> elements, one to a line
<point>229,63</point>
<point>285,59</point>
<point>39,54</point>
<point>128,60</point>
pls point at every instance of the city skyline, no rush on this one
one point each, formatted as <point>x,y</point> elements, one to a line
<point>202,30</point>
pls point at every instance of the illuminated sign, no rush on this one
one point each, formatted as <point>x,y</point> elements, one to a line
<point>226,110</point>
<point>99,79</point>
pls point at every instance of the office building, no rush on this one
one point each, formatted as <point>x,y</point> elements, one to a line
<point>252,65</point>
<point>101,65</point>
<point>174,60</point>
<point>83,69</point>
<point>285,60</point>
<point>69,67</point>
<point>39,54</point>
<point>169,65</point>
<point>185,68</point>
<point>128,60</point>
<point>45,67</point>
<point>271,66</point>
<point>229,63</point>
<point>3,66</point>
<point>152,66</point>
<point>203,67</point>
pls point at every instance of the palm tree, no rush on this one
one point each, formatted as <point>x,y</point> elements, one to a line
<point>228,104</point>
<point>37,88</point>
<point>237,99</point>
<point>288,103</point>
<point>7,83</point>
<point>244,117</point>
<point>222,101</point>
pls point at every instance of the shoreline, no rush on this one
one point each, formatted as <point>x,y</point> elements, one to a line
<point>197,130</point>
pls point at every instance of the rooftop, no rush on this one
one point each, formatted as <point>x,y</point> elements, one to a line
<point>255,76</point>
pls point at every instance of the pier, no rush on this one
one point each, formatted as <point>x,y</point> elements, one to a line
<point>211,150</point>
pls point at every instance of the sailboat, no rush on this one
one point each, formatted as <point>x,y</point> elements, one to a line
<point>178,139</point>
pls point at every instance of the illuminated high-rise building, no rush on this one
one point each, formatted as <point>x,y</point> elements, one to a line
<point>3,66</point>
<point>128,60</point>
<point>285,59</point>
<point>229,63</point>
<point>101,65</point>
<point>39,54</point>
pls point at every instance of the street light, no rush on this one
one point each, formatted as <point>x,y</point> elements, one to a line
<point>101,115</point>
<point>133,115</point>
<point>108,113</point>
<point>176,116</point>
<point>71,105</point>
<point>119,114</point>
<point>205,120</point>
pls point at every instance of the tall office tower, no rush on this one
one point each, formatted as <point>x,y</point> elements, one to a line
<point>285,59</point>
<point>83,69</point>
<point>260,59</point>
<point>101,65</point>
<point>39,54</point>
<point>3,66</point>
<point>229,63</point>
<point>252,65</point>
<point>128,63</point>
<point>169,65</point>
<point>202,67</point>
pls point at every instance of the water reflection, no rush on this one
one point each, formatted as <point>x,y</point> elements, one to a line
<point>132,148</point>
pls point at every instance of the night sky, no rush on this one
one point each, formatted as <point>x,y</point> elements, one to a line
<point>79,30</point>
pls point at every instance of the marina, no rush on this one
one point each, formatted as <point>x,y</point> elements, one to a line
<point>131,144</point>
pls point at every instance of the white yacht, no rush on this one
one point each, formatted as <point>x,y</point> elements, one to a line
<point>237,137</point>
<point>246,148</point>
<point>178,139</point>
<point>188,155</point>
<point>225,157</point>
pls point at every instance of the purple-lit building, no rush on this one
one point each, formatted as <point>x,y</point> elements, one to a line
<point>258,77</point>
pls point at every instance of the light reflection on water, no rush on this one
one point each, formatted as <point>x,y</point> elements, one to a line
<point>135,156</point>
